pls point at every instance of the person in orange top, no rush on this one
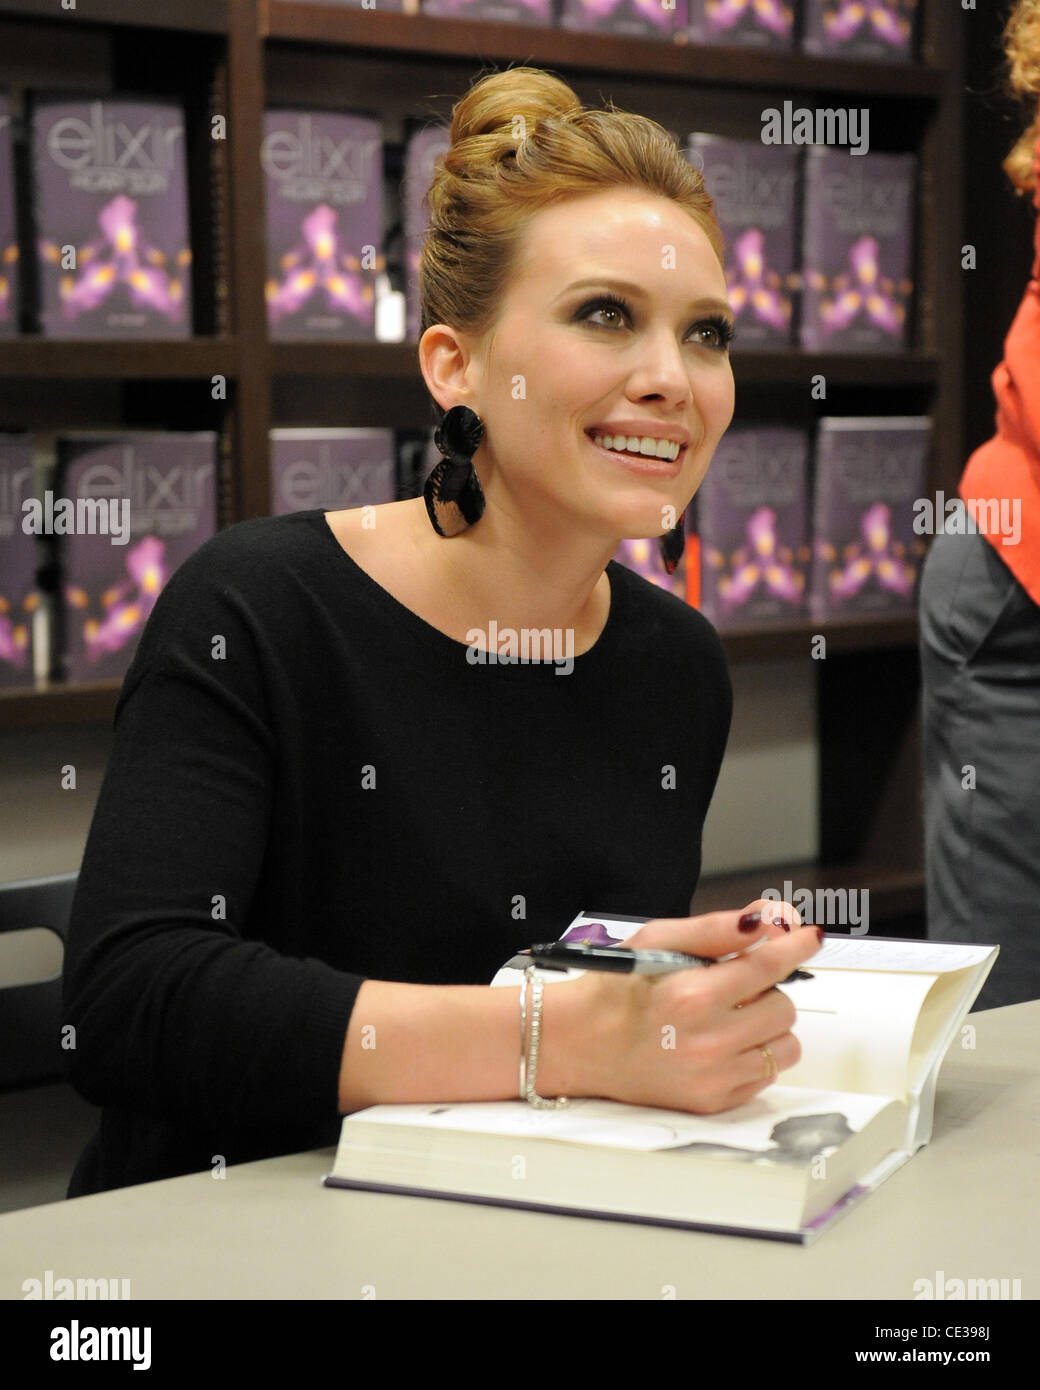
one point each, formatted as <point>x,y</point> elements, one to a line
<point>980,642</point>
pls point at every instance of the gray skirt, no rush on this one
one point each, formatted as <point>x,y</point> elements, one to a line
<point>980,672</point>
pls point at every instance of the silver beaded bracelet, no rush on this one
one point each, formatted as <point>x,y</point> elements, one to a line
<point>529,1060</point>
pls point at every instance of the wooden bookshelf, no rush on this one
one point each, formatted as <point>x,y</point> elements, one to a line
<point>239,56</point>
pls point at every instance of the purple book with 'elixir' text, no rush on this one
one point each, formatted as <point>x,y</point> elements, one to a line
<point>19,598</point>
<point>751,521</point>
<point>510,11</point>
<point>422,149</point>
<point>139,504</point>
<point>384,6</point>
<point>856,251</point>
<point>644,556</point>
<point>323,182</point>
<point>747,23</point>
<point>755,189</point>
<point>876,29</point>
<point>643,19</point>
<point>9,297</point>
<point>869,471</point>
<point>110,210</point>
<point>333,468</point>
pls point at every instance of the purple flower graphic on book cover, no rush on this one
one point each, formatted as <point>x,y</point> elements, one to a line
<point>125,607</point>
<point>591,934</point>
<point>8,262</point>
<point>723,15</point>
<point>14,635</point>
<point>645,9</point>
<point>751,284</point>
<point>319,265</point>
<point>761,562</point>
<point>796,1140</point>
<point>120,256</point>
<point>878,555</point>
<point>862,291</point>
<point>841,22</point>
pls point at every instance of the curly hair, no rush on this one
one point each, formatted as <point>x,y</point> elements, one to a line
<point>520,141</point>
<point>1021,39</point>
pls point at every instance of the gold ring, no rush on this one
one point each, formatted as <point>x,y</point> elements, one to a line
<point>772,1070</point>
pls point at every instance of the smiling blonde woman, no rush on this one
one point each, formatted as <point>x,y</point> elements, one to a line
<point>323,826</point>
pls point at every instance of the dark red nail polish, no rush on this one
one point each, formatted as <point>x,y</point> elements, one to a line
<point>750,921</point>
<point>819,934</point>
<point>779,922</point>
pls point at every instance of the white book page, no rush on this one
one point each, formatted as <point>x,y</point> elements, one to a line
<point>612,1124</point>
<point>865,953</point>
<point>856,1029</point>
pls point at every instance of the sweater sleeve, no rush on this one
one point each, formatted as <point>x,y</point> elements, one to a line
<point>177,1012</point>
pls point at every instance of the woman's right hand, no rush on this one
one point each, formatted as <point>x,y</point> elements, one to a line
<point>695,1039</point>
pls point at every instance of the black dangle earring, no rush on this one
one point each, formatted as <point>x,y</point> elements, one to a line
<point>673,543</point>
<point>454,497</point>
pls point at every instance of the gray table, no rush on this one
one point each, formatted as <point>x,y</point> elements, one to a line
<point>965,1206</point>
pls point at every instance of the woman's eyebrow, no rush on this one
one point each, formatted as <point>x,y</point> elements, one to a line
<point>637,291</point>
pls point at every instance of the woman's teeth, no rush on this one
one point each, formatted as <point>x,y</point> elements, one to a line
<point>633,444</point>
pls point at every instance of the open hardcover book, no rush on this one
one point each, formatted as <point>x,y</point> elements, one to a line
<point>875,1022</point>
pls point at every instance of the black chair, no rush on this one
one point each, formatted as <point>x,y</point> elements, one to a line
<point>44,1122</point>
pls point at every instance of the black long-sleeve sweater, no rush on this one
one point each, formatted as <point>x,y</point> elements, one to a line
<point>310,786</point>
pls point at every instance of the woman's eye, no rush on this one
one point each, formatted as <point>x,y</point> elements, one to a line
<point>722,331</point>
<point>615,309</point>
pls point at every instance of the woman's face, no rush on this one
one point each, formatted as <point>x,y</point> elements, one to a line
<point>560,363</point>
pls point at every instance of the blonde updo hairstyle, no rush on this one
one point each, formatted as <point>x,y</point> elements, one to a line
<point>521,141</point>
<point>1022,45</point>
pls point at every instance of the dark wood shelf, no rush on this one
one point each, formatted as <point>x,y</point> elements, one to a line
<point>894,891</point>
<point>795,639</point>
<point>656,59</point>
<point>58,702</point>
<point>794,368</point>
<point>191,16</point>
<point>85,357</point>
<point>55,702</point>
<point>120,358</point>
<point>367,357</point>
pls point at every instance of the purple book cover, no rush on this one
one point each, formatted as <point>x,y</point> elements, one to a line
<point>19,598</point>
<point>333,468</point>
<point>323,180</point>
<point>645,19</point>
<point>856,251</point>
<point>421,151</point>
<point>511,11</point>
<point>752,524</point>
<point>140,504</point>
<point>111,218</point>
<point>879,29</point>
<point>755,188</point>
<point>869,472</point>
<point>761,23</point>
<point>381,6</point>
<point>644,556</point>
<point>8,229</point>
